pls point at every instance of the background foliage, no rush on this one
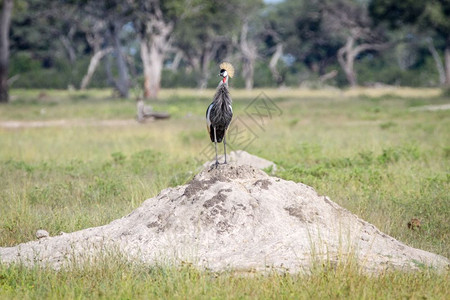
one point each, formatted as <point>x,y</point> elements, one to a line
<point>49,47</point>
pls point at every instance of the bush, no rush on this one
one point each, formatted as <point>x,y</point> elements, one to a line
<point>60,75</point>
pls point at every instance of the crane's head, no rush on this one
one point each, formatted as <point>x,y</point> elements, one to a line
<point>223,73</point>
<point>226,70</point>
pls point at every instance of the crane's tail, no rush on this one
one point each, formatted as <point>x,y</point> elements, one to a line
<point>220,133</point>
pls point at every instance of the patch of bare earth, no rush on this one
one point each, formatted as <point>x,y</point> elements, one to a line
<point>64,123</point>
<point>431,107</point>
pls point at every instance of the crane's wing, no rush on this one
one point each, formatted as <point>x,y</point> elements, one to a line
<point>208,117</point>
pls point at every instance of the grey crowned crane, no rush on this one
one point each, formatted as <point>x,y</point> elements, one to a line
<point>220,112</point>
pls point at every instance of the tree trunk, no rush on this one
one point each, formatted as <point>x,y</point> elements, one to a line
<point>152,60</point>
<point>176,61</point>
<point>248,72</point>
<point>155,67</point>
<point>346,58</point>
<point>203,81</point>
<point>95,60</point>
<point>122,83</point>
<point>209,50</point>
<point>5,22</point>
<point>155,35</point>
<point>206,59</point>
<point>350,72</point>
<point>69,48</point>
<point>348,53</point>
<point>109,76</point>
<point>328,76</point>
<point>145,63</point>
<point>249,54</point>
<point>447,62</point>
<point>437,61</point>
<point>273,64</point>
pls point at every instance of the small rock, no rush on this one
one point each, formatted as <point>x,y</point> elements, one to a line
<point>41,233</point>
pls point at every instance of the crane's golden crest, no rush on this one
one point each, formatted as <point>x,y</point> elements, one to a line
<point>228,67</point>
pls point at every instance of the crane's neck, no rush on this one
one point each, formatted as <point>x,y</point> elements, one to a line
<point>222,96</point>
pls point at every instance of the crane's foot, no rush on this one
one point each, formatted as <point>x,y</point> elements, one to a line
<point>214,165</point>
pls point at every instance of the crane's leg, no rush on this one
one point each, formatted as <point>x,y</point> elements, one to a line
<point>225,146</point>
<point>215,145</point>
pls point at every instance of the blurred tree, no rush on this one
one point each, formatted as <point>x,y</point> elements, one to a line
<point>5,21</point>
<point>96,38</point>
<point>55,42</point>
<point>301,35</point>
<point>249,52</point>
<point>437,59</point>
<point>278,26</point>
<point>48,31</point>
<point>81,31</point>
<point>431,15</point>
<point>316,45</point>
<point>155,21</point>
<point>62,24</point>
<point>224,26</point>
<point>250,33</point>
<point>199,38</point>
<point>350,21</point>
<point>111,17</point>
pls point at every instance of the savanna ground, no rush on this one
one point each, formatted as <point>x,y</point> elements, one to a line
<point>372,151</point>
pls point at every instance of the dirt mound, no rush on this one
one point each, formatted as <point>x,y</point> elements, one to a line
<point>241,157</point>
<point>234,217</point>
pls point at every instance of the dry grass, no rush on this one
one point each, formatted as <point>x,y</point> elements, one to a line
<point>369,152</point>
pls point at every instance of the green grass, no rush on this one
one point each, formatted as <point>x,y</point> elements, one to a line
<point>365,149</point>
<point>116,279</point>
